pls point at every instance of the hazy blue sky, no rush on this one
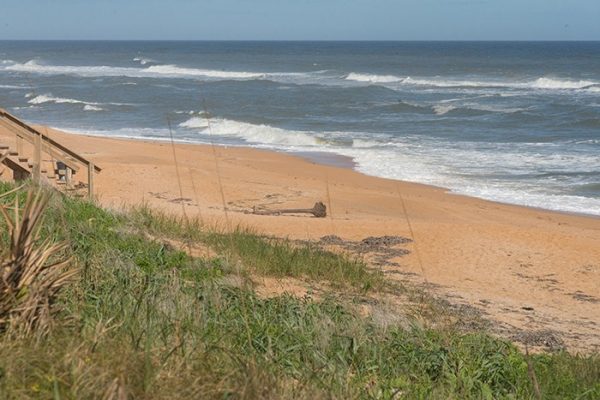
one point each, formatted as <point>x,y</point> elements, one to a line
<point>301,19</point>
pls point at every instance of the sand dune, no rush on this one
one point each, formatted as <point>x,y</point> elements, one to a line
<point>527,269</point>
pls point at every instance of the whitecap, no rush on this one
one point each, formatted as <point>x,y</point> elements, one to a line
<point>549,83</point>
<point>174,70</point>
<point>373,78</point>
<point>49,98</point>
<point>89,107</point>
<point>442,109</point>
<point>542,83</point>
<point>153,71</point>
<point>143,60</point>
<point>14,87</point>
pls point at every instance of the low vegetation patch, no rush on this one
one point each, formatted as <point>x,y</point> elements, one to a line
<point>145,320</point>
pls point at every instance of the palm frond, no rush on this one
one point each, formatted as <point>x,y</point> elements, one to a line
<point>34,270</point>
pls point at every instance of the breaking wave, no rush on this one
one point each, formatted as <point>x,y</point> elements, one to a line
<point>49,98</point>
<point>173,70</point>
<point>373,78</point>
<point>153,71</point>
<point>442,109</point>
<point>548,83</point>
<point>262,134</point>
<point>539,83</point>
<point>89,107</point>
<point>259,134</point>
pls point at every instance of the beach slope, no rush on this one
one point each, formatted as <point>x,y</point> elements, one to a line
<point>530,271</point>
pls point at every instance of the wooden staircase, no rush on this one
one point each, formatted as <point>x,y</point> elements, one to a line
<point>46,161</point>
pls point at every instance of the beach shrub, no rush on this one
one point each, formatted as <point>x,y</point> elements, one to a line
<point>32,271</point>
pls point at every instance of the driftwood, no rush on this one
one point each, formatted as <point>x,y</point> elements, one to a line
<point>319,210</point>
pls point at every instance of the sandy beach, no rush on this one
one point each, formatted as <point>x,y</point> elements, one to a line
<point>528,269</point>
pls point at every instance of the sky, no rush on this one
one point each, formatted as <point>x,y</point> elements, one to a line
<point>300,19</point>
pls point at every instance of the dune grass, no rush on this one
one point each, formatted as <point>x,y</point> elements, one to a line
<point>146,321</point>
<point>262,255</point>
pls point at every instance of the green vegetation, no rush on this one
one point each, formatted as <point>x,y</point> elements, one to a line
<point>261,255</point>
<point>145,320</point>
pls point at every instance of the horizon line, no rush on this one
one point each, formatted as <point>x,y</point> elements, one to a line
<point>303,40</point>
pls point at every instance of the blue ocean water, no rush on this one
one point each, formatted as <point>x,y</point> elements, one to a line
<point>517,122</point>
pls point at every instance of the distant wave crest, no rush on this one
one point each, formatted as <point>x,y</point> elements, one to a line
<point>391,81</point>
<point>549,83</point>
<point>49,98</point>
<point>143,60</point>
<point>373,78</point>
<point>539,83</point>
<point>153,71</point>
<point>13,87</point>
<point>170,70</point>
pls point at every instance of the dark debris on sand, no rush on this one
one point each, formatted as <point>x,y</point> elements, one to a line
<point>546,338</point>
<point>382,248</point>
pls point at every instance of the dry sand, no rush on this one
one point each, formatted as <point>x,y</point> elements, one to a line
<point>531,271</point>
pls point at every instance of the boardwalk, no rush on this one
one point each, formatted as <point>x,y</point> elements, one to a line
<point>33,154</point>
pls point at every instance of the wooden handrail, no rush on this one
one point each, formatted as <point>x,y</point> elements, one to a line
<point>49,141</point>
<point>54,153</point>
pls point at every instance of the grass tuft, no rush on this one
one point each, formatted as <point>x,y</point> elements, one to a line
<point>32,271</point>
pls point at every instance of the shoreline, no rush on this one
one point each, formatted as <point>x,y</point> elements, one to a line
<point>325,158</point>
<point>523,268</point>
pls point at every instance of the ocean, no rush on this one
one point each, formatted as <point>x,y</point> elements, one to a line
<point>515,122</point>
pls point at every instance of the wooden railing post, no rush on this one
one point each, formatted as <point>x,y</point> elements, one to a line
<point>37,159</point>
<point>68,176</point>
<point>20,144</point>
<point>91,181</point>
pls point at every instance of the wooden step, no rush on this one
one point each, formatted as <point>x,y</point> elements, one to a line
<point>19,171</point>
